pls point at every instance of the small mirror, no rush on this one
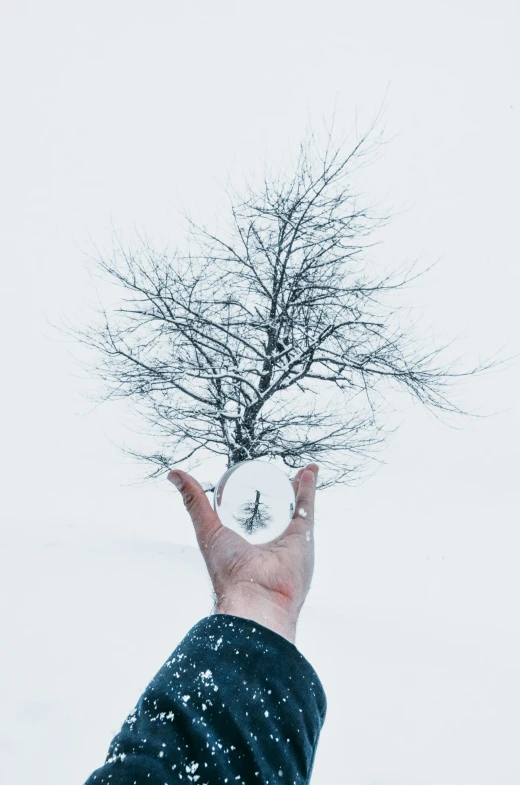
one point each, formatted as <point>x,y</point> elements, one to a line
<point>255,499</point>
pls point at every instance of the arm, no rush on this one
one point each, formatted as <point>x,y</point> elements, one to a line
<point>236,697</point>
<point>235,700</point>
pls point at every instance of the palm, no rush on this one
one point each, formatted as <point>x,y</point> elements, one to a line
<point>281,568</point>
<point>279,571</point>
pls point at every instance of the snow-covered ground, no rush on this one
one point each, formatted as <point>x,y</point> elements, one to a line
<point>90,614</point>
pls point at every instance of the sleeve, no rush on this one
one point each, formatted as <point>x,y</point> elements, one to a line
<point>235,703</point>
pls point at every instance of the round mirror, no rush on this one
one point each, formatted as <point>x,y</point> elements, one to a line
<point>255,499</point>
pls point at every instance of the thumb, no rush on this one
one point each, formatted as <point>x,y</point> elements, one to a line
<point>204,518</point>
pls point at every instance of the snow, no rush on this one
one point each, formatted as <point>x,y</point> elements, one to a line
<point>412,621</point>
<point>433,694</point>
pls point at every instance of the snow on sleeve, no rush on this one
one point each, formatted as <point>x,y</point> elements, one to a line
<point>241,700</point>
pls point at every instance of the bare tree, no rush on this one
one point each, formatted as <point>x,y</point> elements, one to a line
<point>274,337</point>
<point>253,516</point>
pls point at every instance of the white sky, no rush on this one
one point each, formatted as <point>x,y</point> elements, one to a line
<point>122,112</point>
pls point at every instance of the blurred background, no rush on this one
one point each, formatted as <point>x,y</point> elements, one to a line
<point>118,114</point>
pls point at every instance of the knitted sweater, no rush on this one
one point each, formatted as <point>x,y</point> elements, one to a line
<point>235,703</point>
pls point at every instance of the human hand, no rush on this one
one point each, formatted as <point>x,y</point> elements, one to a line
<point>267,583</point>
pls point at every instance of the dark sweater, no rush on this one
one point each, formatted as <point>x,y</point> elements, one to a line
<point>235,703</point>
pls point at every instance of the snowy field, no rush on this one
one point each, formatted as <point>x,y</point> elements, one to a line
<point>422,679</point>
<point>115,115</point>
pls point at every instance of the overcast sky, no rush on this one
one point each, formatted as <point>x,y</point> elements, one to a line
<point>121,112</point>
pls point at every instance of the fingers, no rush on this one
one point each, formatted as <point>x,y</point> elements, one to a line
<point>303,519</point>
<point>206,522</point>
<point>204,518</point>
<point>296,481</point>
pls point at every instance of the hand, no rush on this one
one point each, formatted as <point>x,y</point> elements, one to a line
<point>267,583</point>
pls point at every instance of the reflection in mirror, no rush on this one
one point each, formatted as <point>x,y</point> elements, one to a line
<point>255,499</point>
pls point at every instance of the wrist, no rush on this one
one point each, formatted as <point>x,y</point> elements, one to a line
<point>264,611</point>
